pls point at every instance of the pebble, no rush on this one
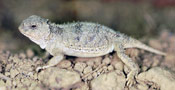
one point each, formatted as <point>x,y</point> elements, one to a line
<point>106,61</point>
<point>29,53</point>
<point>110,68</point>
<point>79,66</point>
<point>97,60</point>
<point>65,64</point>
<point>22,56</point>
<point>90,63</point>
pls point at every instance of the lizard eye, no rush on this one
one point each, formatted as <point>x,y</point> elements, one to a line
<point>33,26</point>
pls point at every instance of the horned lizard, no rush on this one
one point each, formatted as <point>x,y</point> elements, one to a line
<point>81,39</point>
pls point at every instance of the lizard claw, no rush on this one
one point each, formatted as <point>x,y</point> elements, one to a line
<point>130,79</point>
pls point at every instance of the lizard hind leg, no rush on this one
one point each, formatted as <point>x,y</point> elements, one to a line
<point>52,62</point>
<point>131,64</point>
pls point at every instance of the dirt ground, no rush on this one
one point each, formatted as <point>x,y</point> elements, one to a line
<point>17,71</point>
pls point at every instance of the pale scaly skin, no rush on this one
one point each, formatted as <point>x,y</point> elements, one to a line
<point>81,39</point>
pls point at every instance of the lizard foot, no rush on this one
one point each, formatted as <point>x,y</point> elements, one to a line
<point>131,79</point>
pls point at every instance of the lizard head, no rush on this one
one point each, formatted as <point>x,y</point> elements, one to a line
<point>36,28</point>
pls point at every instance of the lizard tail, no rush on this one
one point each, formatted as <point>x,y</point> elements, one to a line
<point>135,43</point>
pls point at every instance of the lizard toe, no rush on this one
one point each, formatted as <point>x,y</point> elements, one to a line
<point>130,79</point>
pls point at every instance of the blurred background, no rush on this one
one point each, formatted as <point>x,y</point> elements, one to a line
<point>137,18</point>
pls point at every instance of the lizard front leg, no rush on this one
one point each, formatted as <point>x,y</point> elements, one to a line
<point>52,62</point>
<point>131,64</point>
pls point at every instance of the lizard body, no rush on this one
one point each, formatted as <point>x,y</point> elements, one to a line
<point>81,39</point>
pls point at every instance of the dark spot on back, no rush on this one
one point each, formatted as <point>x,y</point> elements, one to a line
<point>55,29</point>
<point>117,35</point>
<point>92,38</point>
<point>77,38</point>
<point>97,28</point>
<point>78,27</point>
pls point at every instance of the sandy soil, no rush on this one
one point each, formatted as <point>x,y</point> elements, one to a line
<point>100,73</point>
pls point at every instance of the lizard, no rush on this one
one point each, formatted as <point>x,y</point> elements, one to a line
<point>81,39</point>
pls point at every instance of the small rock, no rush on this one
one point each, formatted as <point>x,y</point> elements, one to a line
<point>22,55</point>
<point>106,61</point>
<point>147,62</point>
<point>64,64</point>
<point>139,87</point>
<point>97,60</point>
<point>110,68</point>
<point>90,77</point>
<point>35,58</point>
<point>105,68</point>
<point>156,61</point>
<point>59,78</point>
<point>82,86</point>
<point>142,87</point>
<point>111,81</point>
<point>79,66</point>
<point>117,63</point>
<point>162,77</point>
<point>144,68</point>
<point>119,66</point>
<point>29,53</point>
<point>90,63</point>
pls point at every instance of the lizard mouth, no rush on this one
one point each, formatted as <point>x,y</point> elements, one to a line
<point>20,28</point>
<point>23,29</point>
